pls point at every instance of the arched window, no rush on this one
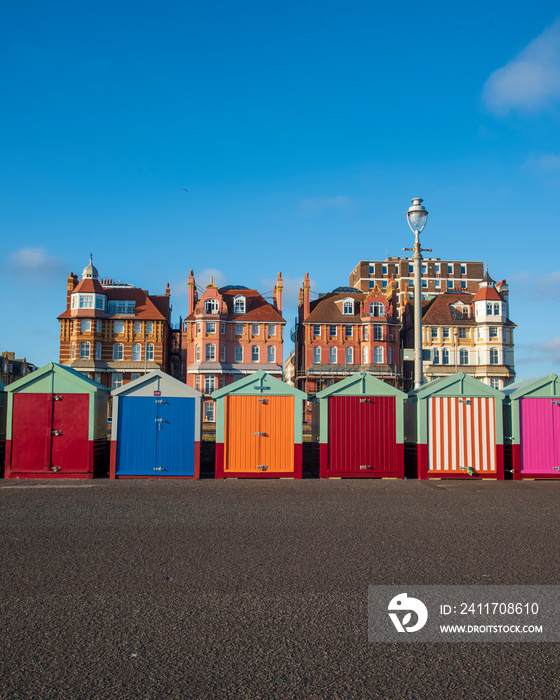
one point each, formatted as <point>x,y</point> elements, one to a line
<point>349,356</point>
<point>211,306</point>
<point>445,356</point>
<point>72,350</point>
<point>239,305</point>
<point>376,309</point>
<point>239,353</point>
<point>436,356</point>
<point>271,354</point>
<point>197,352</point>
<point>348,307</point>
<point>84,350</point>
<point>150,352</point>
<point>317,355</point>
<point>98,350</point>
<point>463,357</point>
<point>494,356</point>
<point>255,353</point>
<point>136,352</point>
<point>365,355</point>
<point>118,351</point>
<point>210,355</point>
<point>332,355</point>
<point>378,354</point>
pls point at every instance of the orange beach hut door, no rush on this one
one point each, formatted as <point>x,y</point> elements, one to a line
<point>259,433</point>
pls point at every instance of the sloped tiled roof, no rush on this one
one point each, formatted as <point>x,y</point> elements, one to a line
<point>258,309</point>
<point>487,294</point>
<point>146,308</point>
<point>438,311</point>
<point>327,310</point>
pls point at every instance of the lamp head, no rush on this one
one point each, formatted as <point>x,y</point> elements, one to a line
<point>417,215</point>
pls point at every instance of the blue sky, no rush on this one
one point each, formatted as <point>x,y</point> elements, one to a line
<point>301,131</point>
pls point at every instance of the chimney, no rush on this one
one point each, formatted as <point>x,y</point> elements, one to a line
<point>278,289</point>
<point>71,283</point>
<point>193,297</point>
<point>306,292</point>
<point>167,290</point>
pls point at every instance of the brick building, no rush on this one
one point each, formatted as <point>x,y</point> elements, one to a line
<point>113,332</point>
<point>346,331</point>
<point>12,369</point>
<point>229,333</point>
<point>465,332</point>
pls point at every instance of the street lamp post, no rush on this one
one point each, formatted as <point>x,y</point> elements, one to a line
<point>417,217</point>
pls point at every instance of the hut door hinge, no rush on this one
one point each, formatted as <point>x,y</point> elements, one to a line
<point>367,401</point>
<point>365,466</point>
<point>56,432</point>
<point>264,467</point>
<point>263,400</point>
<point>263,434</point>
<point>159,469</point>
<point>464,401</point>
<point>160,400</point>
<point>55,469</point>
<point>160,420</point>
<point>58,397</point>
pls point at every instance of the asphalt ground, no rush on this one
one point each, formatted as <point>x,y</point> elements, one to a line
<point>140,589</point>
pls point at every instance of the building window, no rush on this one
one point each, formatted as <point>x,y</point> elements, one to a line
<point>446,333</point>
<point>85,325</point>
<point>84,350</point>
<point>494,356</point>
<point>136,352</point>
<point>238,353</point>
<point>209,412</point>
<point>493,332</point>
<point>450,284</point>
<point>150,352</point>
<point>238,329</point>
<point>366,333</point>
<point>378,332</point>
<point>463,284</point>
<point>222,353</point>
<point>437,284</point>
<point>197,352</point>
<point>348,331</point>
<point>255,353</point>
<point>463,333</point>
<point>371,284</point>
<point>435,359</point>
<point>116,380</point>
<point>210,328</point>
<point>98,377</point>
<point>349,359</point>
<point>72,350</point>
<point>410,268</point>
<point>316,330</point>
<point>332,355</point>
<point>98,351</point>
<point>384,269</point>
<point>199,328</point>
<point>222,328</point>
<point>348,307</point>
<point>209,383</point>
<point>149,327</point>
<point>118,327</point>
<point>317,355</point>
<point>424,284</point>
<point>495,383</point>
<point>445,356</point>
<point>121,306</point>
<point>384,284</point>
<point>134,375</point>
<point>365,355</point>
<point>332,331</point>
<point>239,305</point>
<point>424,268</point>
<point>488,308</point>
<point>255,330</point>
<point>437,268</point>
<point>378,355</point>
<point>271,329</point>
<point>210,353</point>
<point>463,357</point>
<point>463,269</point>
<point>99,326</point>
<point>138,327</point>
<point>371,269</point>
<point>271,354</point>
<point>449,268</point>
<point>118,351</point>
<point>497,309</point>
<point>376,309</point>
<point>211,306</point>
<point>433,333</point>
<point>388,356</point>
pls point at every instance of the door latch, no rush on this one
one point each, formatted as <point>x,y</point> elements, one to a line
<point>263,400</point>
<point>264,467</point>
<point>366,401</point>
<point>55,469</point>
<point>263,434</point>
<point>161,401</point>
<point>56,432</point>
<point>159,469</point>
<point>365,466</point>
<point>58,397</point>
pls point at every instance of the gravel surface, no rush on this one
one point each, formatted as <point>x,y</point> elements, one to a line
<point>141,589</point>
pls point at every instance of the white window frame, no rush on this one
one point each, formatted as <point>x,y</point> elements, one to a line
<point>271,354</point>
<point>210,352</point>
<point>98,351</point>
<point>239,304</point>
<point>365,355</point>
<point>85,325</point>
<point>349,355</point>
<point>138,327</point>
<point>332,355</point>
<point>118,352</point>
<point>272,329</point>
<point>238,329</point>
<point>85,350</point>
<point>317,355</point>
<point>255,353</point>
<point>211,306</point>
<point>136,352</point>
<point>149,352</point>
<point>117,325</point>
<point>348,307</point>
<point>378,355</point>
<point>239,353</point>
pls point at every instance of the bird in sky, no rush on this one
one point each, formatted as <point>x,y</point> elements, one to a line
<point>184,190</point>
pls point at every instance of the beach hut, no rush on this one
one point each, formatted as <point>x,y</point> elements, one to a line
<point>359,425</point>
<point>456,425</point>
<point>532,427</point>
<point>56,425</point>
<point>259,428</point>
<point>3,418</point>
<point>155,429</point>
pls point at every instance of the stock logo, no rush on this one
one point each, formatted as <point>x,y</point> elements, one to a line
<point>403,603</point>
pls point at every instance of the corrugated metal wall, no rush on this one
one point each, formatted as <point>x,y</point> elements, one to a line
<point>259,432</point>
<point>540,439</point>
<point>461,434</point>
<point>362,434</point>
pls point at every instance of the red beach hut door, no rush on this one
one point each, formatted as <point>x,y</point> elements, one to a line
<point>69,445</point>
<point>540,435</point>
<point>362,434</point>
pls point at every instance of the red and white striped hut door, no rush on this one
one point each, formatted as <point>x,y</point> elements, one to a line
<point>461,435</point>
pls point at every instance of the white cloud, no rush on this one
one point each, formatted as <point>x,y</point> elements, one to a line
<point>290,291</point>
<point>547,163</point>
<point>530,82</point>
<point>35,264</point>
<point>547,352</point>
<point>204,277</point>
<point>546,286</point>
<point>316,205</point>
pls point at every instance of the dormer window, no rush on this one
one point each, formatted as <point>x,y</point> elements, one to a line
<point>211,306</point>
<point>88,301</point>
<point>120,306</point>
<point>348,307</point>
<point>239,305</point>
<point>376,309</point>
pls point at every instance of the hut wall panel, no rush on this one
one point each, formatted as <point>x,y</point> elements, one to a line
<point>540,436</point>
